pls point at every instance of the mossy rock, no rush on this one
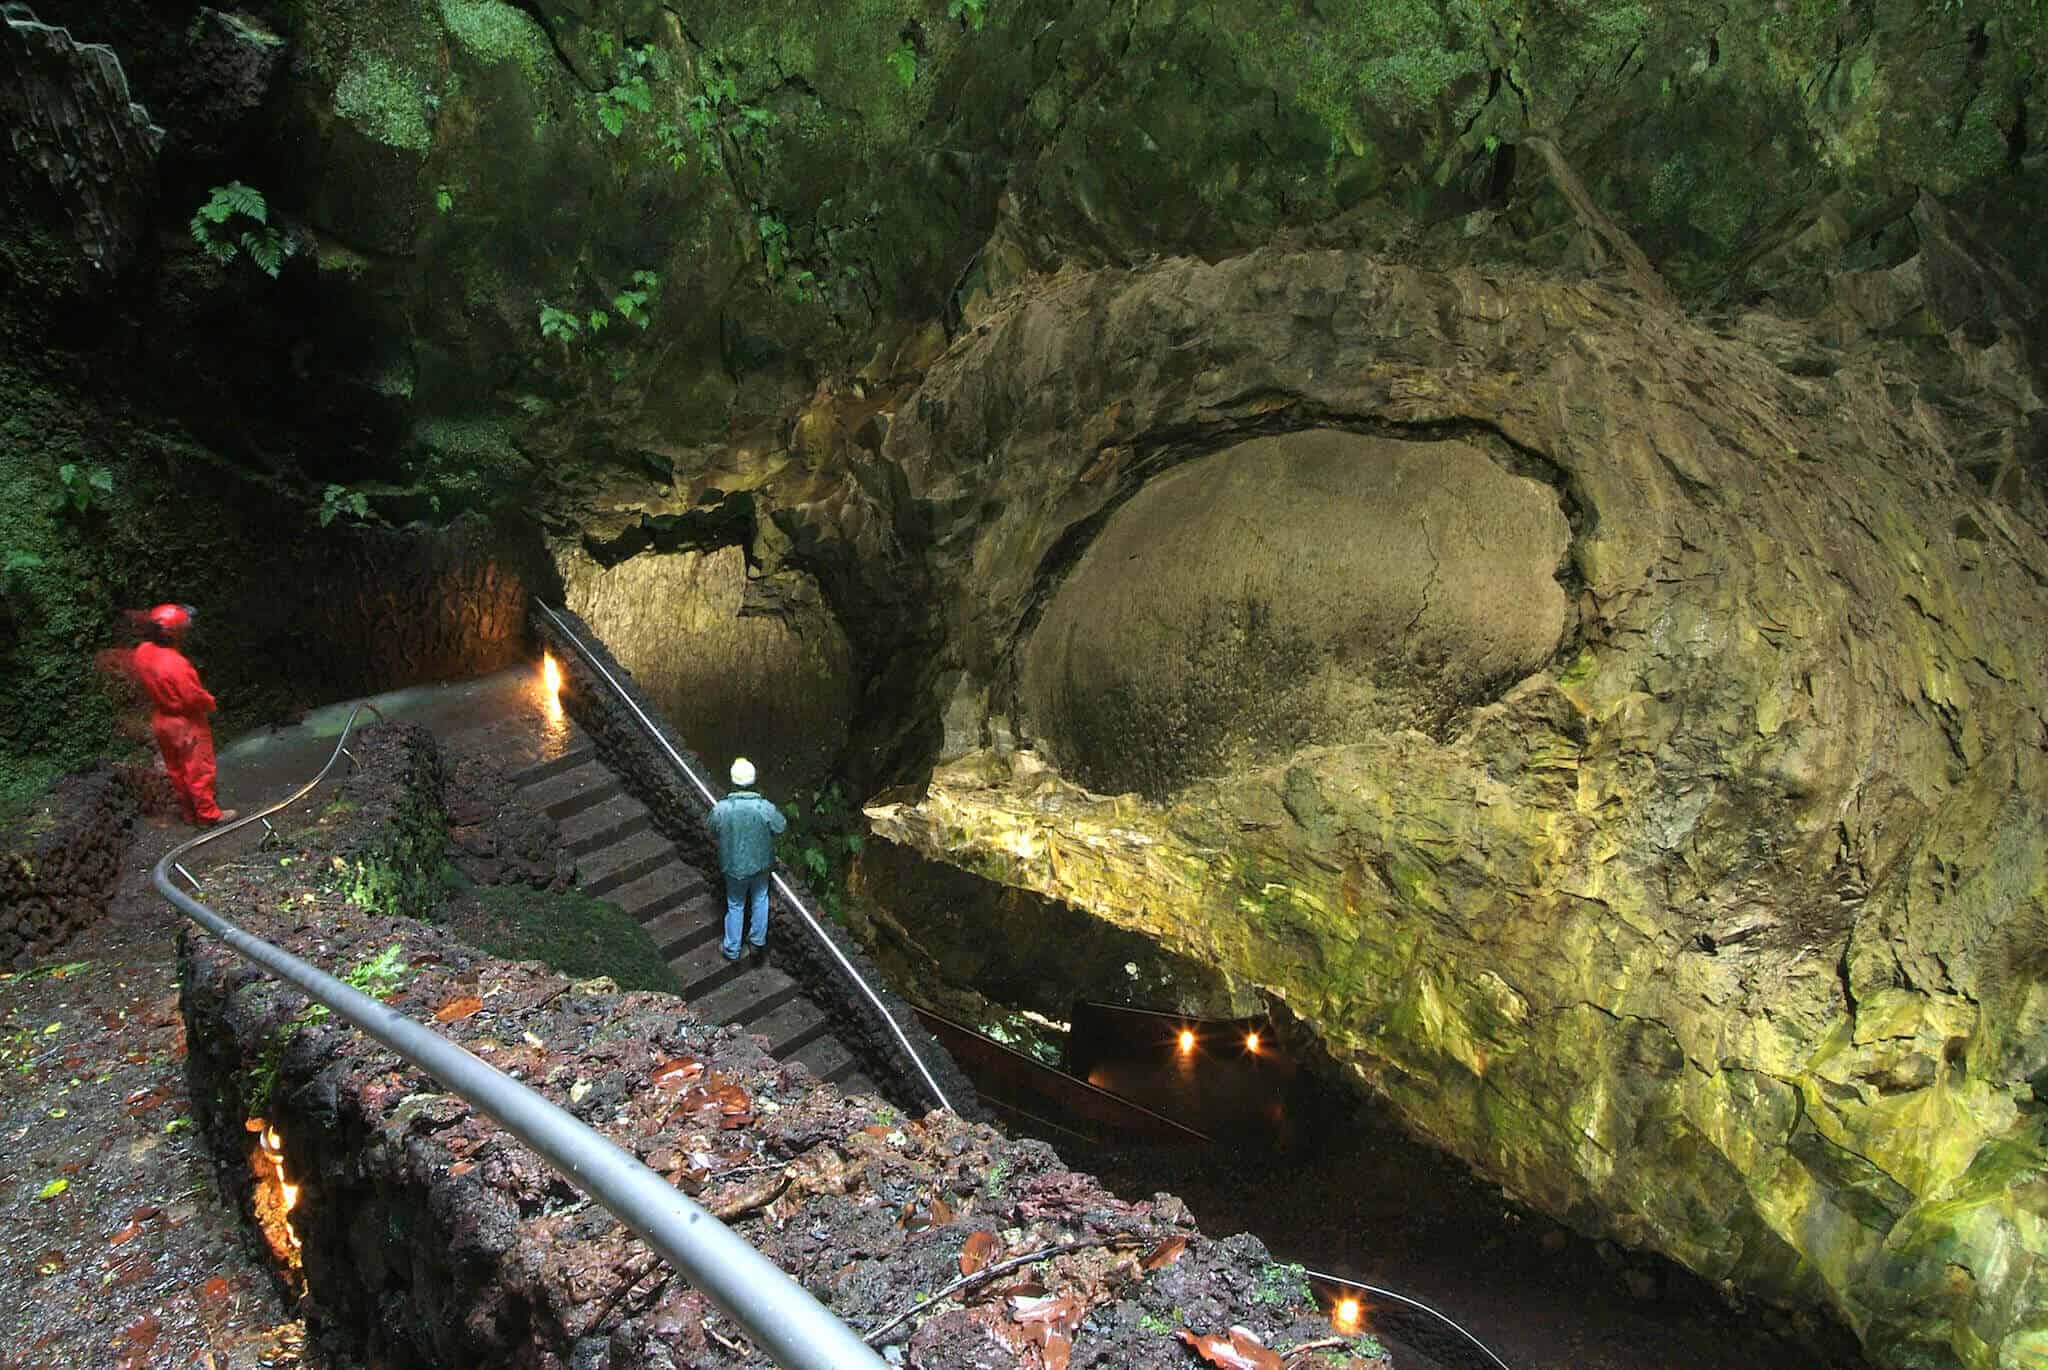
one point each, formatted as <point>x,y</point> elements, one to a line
<point>574,934</point>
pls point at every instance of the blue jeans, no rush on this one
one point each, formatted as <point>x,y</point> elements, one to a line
<point>741,892</point>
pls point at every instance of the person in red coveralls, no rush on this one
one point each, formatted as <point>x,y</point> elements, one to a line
<point>181,705</point>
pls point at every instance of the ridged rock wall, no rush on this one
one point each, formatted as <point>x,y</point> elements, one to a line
<point>1721,931</point>
<point>76,141</point>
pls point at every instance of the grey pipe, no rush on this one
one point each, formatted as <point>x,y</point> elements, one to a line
<point>780,884</point>
<point>786,1321</point>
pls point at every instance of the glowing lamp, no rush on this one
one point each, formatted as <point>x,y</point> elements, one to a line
<point>550,673</point>
<point>1187,1041</point>
<point>1251,1042</point>
<point>1345,1317</point>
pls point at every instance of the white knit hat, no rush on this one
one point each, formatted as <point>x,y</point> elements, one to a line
<point>742,771</point>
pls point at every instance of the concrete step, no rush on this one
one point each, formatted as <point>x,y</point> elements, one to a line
<point>623,862</point>
<point>607,823</point>
<point>822,1055</point>
<point>851,1081</point>
<point>564,796</point>
<point>678,929</point>
<point>703,968</point>
<point>662,889</point>
<point>796,1019</point>
<point>567,761</point>
<point>745,998</point>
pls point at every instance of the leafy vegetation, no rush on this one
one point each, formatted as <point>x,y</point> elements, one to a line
<point>82,490</point>
<point>634,305</point>
<point>630,93</point>
<point>337,501</point>
<point>380,974</point>
<point>825,833</point>
<point>903,62</point>
<point>235,221</point>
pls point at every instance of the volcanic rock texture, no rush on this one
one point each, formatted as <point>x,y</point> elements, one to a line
<point>1626,751</point>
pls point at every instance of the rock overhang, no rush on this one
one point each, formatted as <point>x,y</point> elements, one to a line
<point>1671,932</point>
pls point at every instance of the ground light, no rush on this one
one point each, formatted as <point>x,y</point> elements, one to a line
<point>1251,1042</point>
<point>551,680</point>
<point>1347,1316</point>
<point>1187,1042</point>
<point>275,1196</point>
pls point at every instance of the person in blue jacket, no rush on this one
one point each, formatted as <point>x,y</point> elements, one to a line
<point>745,825</point>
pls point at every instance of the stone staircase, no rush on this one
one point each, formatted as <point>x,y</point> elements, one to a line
<point>622,858</point>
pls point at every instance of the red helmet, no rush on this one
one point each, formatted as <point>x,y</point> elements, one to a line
<point>172,618</point>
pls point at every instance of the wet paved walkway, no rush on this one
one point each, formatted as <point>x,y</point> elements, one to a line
<point>116,1248</point>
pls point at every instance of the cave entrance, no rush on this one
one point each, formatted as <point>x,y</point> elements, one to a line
<point>775,684</point>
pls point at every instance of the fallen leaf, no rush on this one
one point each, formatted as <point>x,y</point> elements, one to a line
<point>1058,1350</point>
<point>1061,1311</point>
<point>50,1263</point>
<point>677,1073</point>
<point>942,1212</point>
<point>976,1250</point>
<point>1237,1349</point>
<point>140,1336</point>
<point>1027,1287</point>
<point>214,1290</point>
<point>461,1168</point>
<point>1166,1253</point>
<point>462,1007</point>
<point>53,1189</point>
<point>125,1235</point>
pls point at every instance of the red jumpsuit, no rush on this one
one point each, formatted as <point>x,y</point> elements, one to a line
<point>181,705</point>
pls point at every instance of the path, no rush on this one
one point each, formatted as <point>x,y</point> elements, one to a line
<point>133,1259</point>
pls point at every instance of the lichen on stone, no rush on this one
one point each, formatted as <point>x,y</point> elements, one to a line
<point>379,98</point>
<point>496,32</point>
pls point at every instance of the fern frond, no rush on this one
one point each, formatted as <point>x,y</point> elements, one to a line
<point>264,250</point>
<point>244,200</point>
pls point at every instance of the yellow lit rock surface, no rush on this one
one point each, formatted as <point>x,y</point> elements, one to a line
<point>1721,929</point>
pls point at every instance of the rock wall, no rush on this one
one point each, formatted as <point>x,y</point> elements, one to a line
<point>425,1237</point>
<point>1720,931</point>
<point>59,862</point>
<point>742,671</point>
<point>78,148</point>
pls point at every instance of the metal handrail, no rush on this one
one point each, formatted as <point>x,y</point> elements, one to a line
<point>794,1328</point>
<point>780,884</point>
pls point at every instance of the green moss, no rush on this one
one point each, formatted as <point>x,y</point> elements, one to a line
<point>1385,58</point>
<point>573,933</point>
<point>496,32</point>
<point>380,100</point>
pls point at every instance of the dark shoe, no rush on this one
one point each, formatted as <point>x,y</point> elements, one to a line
<point>760,957</point>
<point>729,960</point>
